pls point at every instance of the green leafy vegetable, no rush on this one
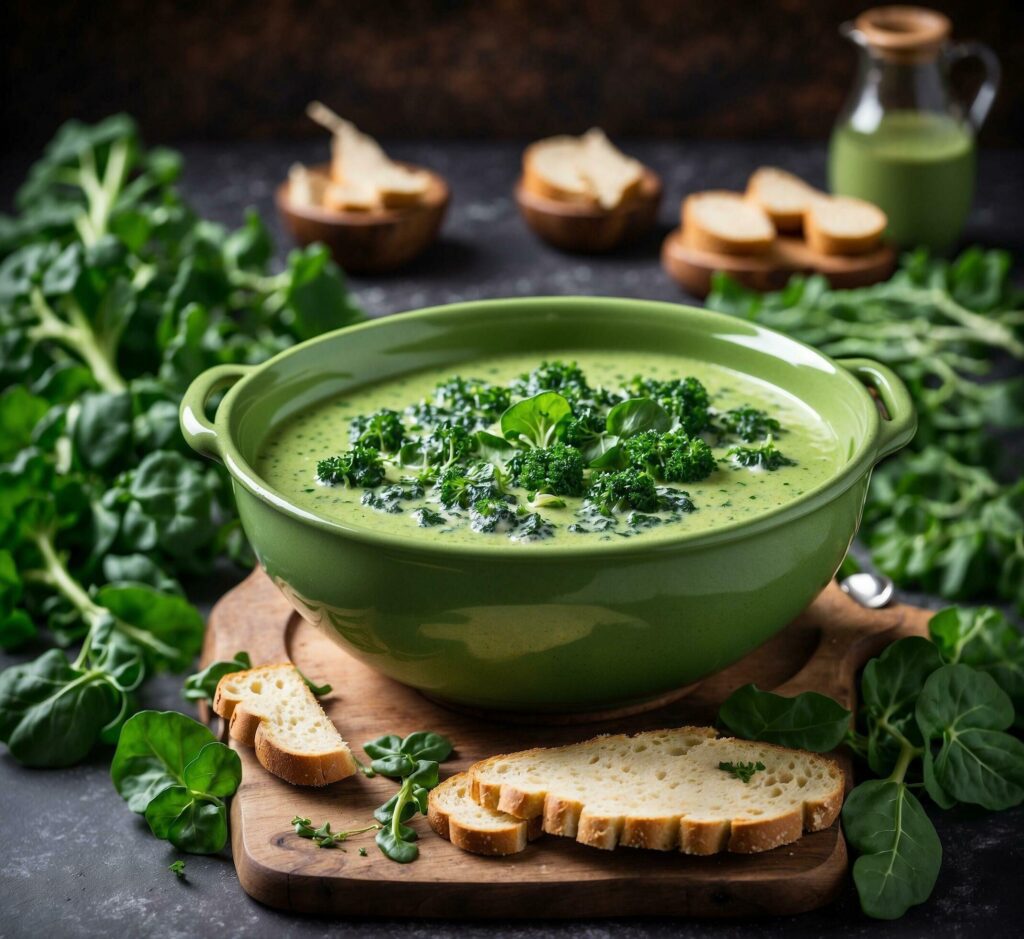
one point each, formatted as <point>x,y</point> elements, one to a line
<point>360,466</point>
<point>767,456</point>
<point>636,415</point>
<point>203,684</point>
<point>414,760</point>
<point>674,457</point>
<point>749,424</point>
<point>536,420</point>
<point>947,514</point>
<point>323,837</point>
<point>113,296</point>
<point>685,399</point>
<point>178,869</point>
<point>627,489</point>
<point>900,853</point>
<point>557,469</point>
<point>170,768</point>
<point>809,721</point>
<point>744,772</point>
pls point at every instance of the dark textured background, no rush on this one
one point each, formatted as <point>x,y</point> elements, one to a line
<point>231,69</point>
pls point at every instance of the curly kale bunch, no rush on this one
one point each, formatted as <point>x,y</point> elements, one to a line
<point>381,430</point>
<point>627,489</point>
<point>749,424</point>
<point>557,469</point>
<point>472,398</point>
<point>686,399</point>
<point>493,514</point>
<point>360,466</point>
<point>674,457</point>
<point>463,486</point>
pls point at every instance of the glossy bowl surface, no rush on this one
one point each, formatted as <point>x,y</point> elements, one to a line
<point>574,627</point>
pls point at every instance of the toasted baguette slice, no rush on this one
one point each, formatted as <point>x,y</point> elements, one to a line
<point>454,815</point>
<point>843,225</point>
<point>588,170</point>
<point>272,709</point>
<point>364,176</point>
<point>665,790</point>
<point>782,195</point>
<point>727,223</point>
<point>306,187</point>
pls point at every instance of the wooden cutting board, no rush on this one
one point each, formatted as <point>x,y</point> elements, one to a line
<point>555,877</point>
<point>692,268</point>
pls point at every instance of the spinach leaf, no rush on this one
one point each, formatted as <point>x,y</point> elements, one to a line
<point>16,626</point>
<point>169,768</point>
<point>809,721</point>
<point>900,853</point>
<point>203,684</point>
<point>636,415</point>
<point>537,420</point>
<point>966,712</point>
<point>984,639</point>
<point>890,687</point>
<point>51,713</point>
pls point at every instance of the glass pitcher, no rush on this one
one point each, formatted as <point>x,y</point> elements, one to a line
<point>902,140</point>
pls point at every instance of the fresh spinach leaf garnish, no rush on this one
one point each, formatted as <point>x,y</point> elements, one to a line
<point>414,760</point>
<point>808,721</point>
<point>202,686</point>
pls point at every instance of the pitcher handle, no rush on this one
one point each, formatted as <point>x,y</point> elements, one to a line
<point>986,93</point>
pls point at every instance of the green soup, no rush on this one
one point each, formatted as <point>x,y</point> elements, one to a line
<point>917,167</point>
<point>289,456</point>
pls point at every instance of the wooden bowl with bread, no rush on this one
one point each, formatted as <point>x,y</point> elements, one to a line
<point>581,194</point>
<point>373,214</point>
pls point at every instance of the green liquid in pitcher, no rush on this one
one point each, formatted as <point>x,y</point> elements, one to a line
<point>917,167</point>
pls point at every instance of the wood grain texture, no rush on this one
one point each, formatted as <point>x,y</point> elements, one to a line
<point>554,877</point>
<point>692,267</point>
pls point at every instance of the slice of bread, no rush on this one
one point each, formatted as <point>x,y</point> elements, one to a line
<point>272,709</point>
<point>782,195</point>
<point>587,170</point>
<point>454,815</point>
<point>664,790</point>
<point>843,225</point>
<point>365,178</point>
<point>727,223</point>
<point>307,187</point>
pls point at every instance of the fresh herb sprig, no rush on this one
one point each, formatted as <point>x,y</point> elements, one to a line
<point>323,837</point>
<point>113,296</point>
<point>744,772</point>
<point>178,869</point>
<point>945,515</point>
<point>413,760</point>
<point>935,716</point>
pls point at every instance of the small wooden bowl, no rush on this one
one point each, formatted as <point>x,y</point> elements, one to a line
<point>588,230</point>
<point>369,242</point>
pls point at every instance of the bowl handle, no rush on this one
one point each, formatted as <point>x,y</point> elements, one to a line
<point>199,433</point>
<point>899,423</point>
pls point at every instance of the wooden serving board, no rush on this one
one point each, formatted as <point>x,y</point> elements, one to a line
<point>554,877</point>
<point>692,268</point>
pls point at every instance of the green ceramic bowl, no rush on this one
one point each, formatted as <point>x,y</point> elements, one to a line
<point>576,627</point>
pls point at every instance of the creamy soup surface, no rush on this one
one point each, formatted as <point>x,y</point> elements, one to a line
<point>407,501</point>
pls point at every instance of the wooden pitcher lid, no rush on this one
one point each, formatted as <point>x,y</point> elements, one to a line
<point>904,34</point>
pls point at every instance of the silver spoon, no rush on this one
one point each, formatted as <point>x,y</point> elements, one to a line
<point>870,590</point>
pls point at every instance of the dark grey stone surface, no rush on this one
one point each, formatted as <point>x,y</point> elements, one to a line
<point>76,862</point>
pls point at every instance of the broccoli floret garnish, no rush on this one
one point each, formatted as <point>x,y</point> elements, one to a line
<point>381,430</point>
<point>674,457</point>
<point>463,486</point>
<point>566,378</point>
<point>686,399</point>
<point>763,457</point>
<point>458,395</point>
<point>360,466</point>
<point>493,514</point>
<point>627,489</point>
<point>749,423</point>
<point>557,469</point>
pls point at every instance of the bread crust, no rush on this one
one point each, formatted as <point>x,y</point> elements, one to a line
<point>509,839</point>
<point>790,221</point>
<point>535,182</point>
<point>698,236</point>
<point>690,835</point>
<point>299,769</point>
